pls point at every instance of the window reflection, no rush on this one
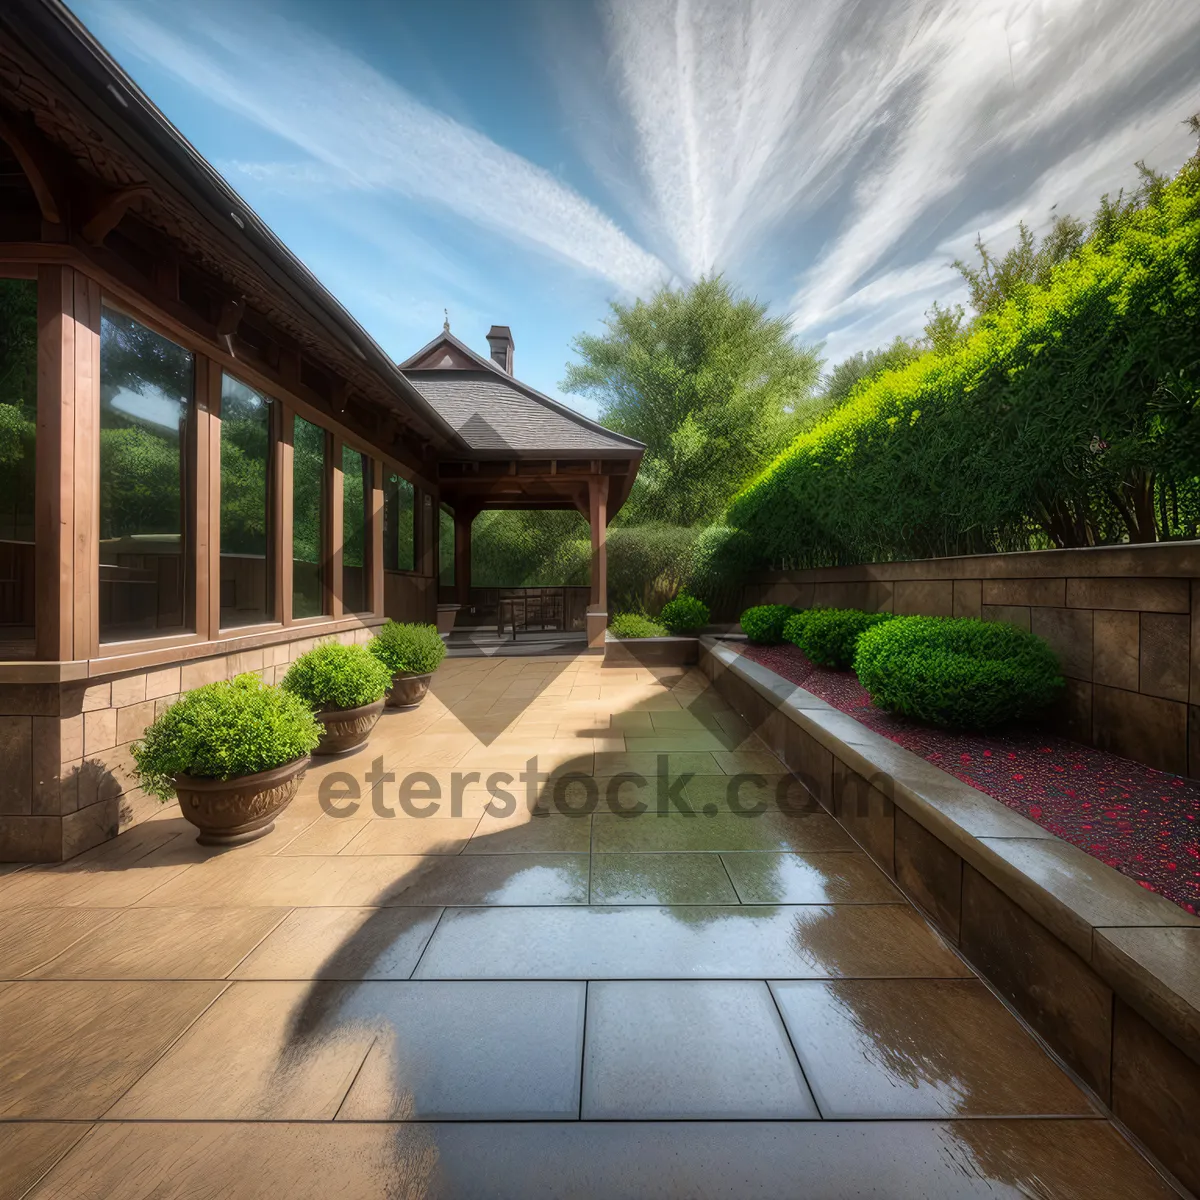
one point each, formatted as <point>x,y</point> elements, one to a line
<point>445,547</point>
<point>18,444</point>
<point>246,579</point>
<point>355,473</point>
<point>308,519</point>
<point>399,524</point>
<point>146,386</point>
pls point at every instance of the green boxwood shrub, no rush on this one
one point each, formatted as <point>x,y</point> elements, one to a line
<point>828,636</point>
<point>634,625</point>
<point>224,730</point>
<point>763,624</point>
<point>408,649</point>
<point>957,673</point>
<point>793,627</point>
<point>684,614</point>
<point>335,676</point>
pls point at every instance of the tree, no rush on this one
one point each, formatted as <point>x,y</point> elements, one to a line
<point>711,384</point>
<point>864,366</point>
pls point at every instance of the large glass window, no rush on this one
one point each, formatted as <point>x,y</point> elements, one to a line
<point>247,595</point>
<point>18,443</point>
<point>146,387</point>
<point>445,547</point>
<point>308,519</point>
<point>356,473</point>
<point>399,524</point>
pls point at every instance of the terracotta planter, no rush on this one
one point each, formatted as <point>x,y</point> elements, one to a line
<point>408,690</point>
<point>346,728</point>
<point>231,811</point>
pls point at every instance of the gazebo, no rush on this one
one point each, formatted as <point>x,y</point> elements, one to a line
<point>525,451</point>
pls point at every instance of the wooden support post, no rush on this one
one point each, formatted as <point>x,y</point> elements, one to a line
<point>375,576</point>
<point>597,619</point>
<point>463,517</point>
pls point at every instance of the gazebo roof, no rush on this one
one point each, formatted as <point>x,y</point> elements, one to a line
<point>494,412</point>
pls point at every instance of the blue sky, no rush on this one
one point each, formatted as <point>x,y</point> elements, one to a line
<point>524,162</point>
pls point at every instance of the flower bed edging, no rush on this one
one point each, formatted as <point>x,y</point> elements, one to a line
<point>1075,946</point>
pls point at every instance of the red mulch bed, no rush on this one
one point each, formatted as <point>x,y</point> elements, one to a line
<point>1144,822</point>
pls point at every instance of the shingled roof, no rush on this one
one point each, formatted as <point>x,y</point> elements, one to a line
<point>492,411</point>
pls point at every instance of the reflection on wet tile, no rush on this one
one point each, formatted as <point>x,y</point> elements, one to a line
<point>920,1048</point>
<point>493,879</point>
<point>166,943</point>
<point>28,1151</point>
<point>810,942</point>
<point>704,1049</point>
<point>80,1045</point>
<point>424,836</point>
<point>525,833</point>
<point>750,1160</point>
<point>836,878</point>
<point>469,1051</point>
<point>30,937</point>
<point>660,879</point>
<point>768,831</point>
<point>264,1051</point>
<point>343,943</point>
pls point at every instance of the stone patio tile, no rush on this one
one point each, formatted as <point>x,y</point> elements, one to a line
<point>82,1044</point>
<point>166,943</point>
<point>30,937</point>
<point>427,835</point>
<point>766,831</point>
<point>524,833</point>
<point>711,1050</point>
<point>675,740</point>
<point>883,1048</point>
<point>660,879</point>
<point>646,763</point>
<point>70,886</point>
<point>491,879</point>
<point>692,941</point>
<point>838,877</point>
<point>263,1051</point>
<point>342,943</point>
<point>752,1160</point>
<point>328,835</point>
<point>469,1051</point>
<point>29,1150</point>
<point>749,762</point>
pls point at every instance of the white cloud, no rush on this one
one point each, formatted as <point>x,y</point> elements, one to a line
<point>885,119</point>
<point>367,132</point>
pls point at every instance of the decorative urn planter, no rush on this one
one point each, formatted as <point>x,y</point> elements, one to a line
<point>229,812</point>
<point>346,728</point>
<point>408,689</point>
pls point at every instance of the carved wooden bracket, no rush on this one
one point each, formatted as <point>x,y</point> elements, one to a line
<point>24,145</point>
<point>107,212</point>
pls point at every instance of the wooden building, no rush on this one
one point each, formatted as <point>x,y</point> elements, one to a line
<point>206,464</point>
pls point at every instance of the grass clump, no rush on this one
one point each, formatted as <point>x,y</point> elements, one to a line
<point>634,625</point>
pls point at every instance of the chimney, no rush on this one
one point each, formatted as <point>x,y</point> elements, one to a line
<point>500,342</point>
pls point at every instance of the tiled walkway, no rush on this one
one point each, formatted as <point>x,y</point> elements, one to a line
<point>470,1004</point>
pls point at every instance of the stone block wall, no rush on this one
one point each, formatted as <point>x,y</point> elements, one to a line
<point>1124,621</point>
<point>66,774</point>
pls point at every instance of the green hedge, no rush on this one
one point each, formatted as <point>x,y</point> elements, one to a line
<point>829,636</point>
<point>957,673</point>
<point>1070,415</point>
<point>764,623</point>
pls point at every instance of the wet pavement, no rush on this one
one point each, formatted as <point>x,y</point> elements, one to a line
<point>717,995</point>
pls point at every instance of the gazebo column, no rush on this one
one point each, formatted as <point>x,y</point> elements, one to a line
<point>463,519</point>
<point>597,614</point>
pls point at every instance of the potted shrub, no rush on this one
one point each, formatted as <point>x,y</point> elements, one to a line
<point>684,615</point>
<point>234,753</point>
<point>411,653</point>
<point>345,687</point>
